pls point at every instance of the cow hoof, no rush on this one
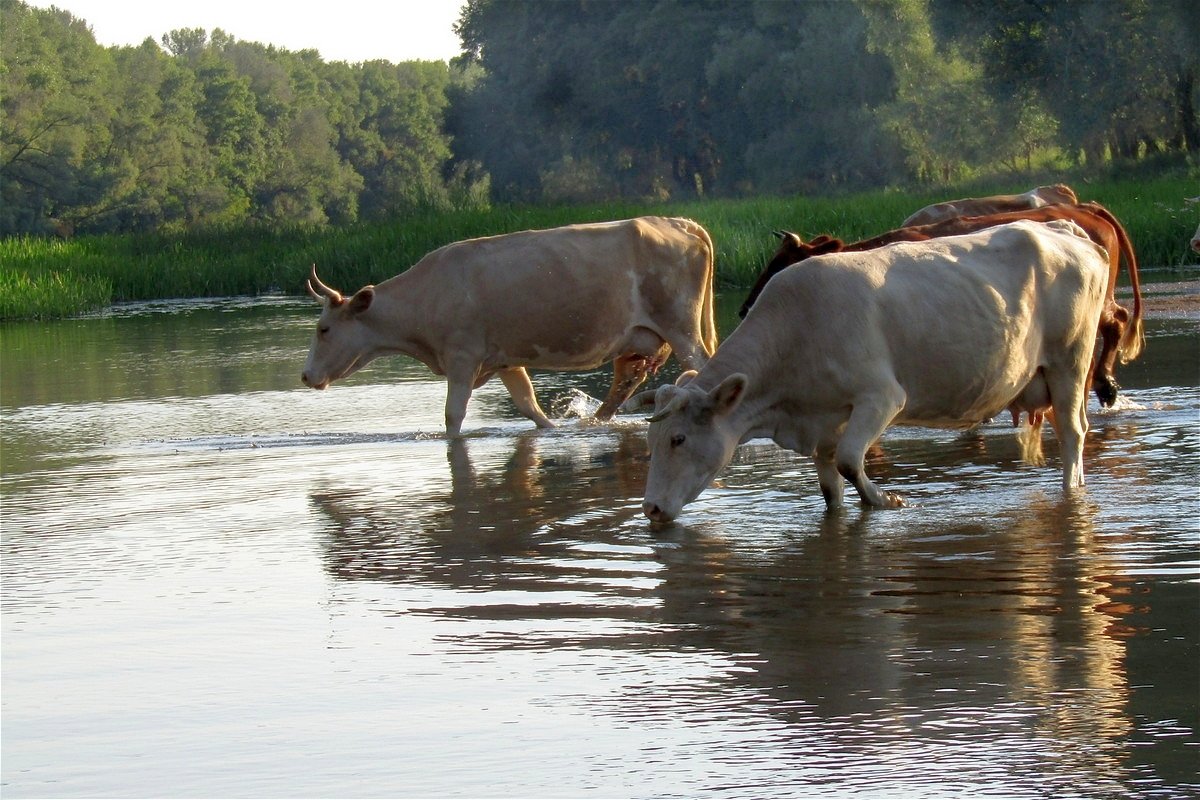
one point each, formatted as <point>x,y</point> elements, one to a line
<point>1106,391</point>
<point>888,500</point>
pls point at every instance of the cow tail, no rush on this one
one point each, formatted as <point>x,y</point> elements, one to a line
<point>708,321</point>
<point>1133,340</point>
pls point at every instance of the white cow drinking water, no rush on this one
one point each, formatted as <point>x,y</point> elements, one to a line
<point>943,333</point>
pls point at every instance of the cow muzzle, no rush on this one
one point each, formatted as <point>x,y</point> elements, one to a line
<point>656,513</point>
<point>309,382</point>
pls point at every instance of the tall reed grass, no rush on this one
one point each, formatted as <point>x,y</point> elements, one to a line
<point>42,278</point>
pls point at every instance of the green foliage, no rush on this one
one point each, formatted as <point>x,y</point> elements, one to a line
<point>35,284</point>
<point>577,101</point>
<point>211,131</point>
<point>649,99</point>
<point>41,277</point>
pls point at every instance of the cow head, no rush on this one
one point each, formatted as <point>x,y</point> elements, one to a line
<point>691,440</point>
<point>791,250</point>
<point>340,345</point>
<point>1058,193</point>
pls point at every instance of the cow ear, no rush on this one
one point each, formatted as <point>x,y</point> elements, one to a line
<point>362,300</point>
<point>728,394</point>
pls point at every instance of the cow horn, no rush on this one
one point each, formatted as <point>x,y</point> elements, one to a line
<point>321,292</point>
<point>313,292</point>
<point>659,416</point>
<point>639,401</point>
<point>670,408</point>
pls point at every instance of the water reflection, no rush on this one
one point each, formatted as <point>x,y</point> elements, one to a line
<point>988,649</point>
<point>460,532</point>
<point>933,644</point>
<point>223,581</point>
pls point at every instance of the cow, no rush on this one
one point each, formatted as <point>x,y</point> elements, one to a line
<point>1121,334</point>
<point>1059,193</point>
<point>942,333</point>
<point>570,298</point>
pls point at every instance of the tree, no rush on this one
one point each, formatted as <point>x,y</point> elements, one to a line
<point>397,144</point>
<point>940,112</point>
<point>1117,75</point>
<point>794,122</point>
<point>56,108</point>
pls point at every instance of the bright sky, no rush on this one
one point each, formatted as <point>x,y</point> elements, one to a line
<point>341,30</point>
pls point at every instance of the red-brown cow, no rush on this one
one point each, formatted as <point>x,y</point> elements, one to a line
<point>1120,332</point>
<point>996,204</point>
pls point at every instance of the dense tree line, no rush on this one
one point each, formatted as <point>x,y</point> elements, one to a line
<point>203,129</point>
<point>663,97</point>
<point>577,100</point>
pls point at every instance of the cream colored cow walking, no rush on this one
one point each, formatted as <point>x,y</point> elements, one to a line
<point>570,298</point>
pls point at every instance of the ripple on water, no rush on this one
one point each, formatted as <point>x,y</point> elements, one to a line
<point>277,590</point>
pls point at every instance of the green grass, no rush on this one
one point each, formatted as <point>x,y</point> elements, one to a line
<point>43,278</point>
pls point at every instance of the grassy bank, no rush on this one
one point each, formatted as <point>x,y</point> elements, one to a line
<point>42,278</point>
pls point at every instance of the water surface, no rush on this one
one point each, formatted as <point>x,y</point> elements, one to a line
<point>219,583</point>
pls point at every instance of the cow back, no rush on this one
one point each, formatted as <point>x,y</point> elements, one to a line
<point>960,322</point>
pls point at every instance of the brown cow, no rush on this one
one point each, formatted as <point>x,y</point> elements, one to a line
<point>1121,334</point>
<point>996,204</point>
<point>1195,243</point>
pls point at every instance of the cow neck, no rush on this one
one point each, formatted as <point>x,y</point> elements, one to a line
<point>405,326</point>
<point>739,354</point>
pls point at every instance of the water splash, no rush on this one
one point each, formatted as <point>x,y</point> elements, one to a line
<point>1123,403</point>
<point>575,404</point>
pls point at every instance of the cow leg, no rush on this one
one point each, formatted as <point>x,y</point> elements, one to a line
<point>458,394</point>
<point>832,484</point>
<point>516,380</point>
<point>645,352</point>
<point>869,418</point>
<point>629,370</point>
<point>1068,396</point>
<point>462,378</point>
<point>689,352</point>
<point>1113,320</point>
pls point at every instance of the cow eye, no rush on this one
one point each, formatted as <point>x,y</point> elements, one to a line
<point>324,329</point>
<point>678,439</point>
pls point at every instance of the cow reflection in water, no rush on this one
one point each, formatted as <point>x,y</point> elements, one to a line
<point>985,643</point>
<point>476,529</point>
<point>860,628</point>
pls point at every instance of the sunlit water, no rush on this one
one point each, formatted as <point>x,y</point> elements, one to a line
<point>218,583</point>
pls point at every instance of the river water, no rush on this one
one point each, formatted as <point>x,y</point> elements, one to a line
<point>217,583</point>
